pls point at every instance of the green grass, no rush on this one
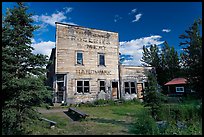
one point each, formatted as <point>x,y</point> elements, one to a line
<point>104,120</point>
<point>122,119</point>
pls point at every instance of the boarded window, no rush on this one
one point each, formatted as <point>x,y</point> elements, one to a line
<point>83,87</point>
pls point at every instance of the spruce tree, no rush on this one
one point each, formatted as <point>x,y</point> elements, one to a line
<point>166,62</point>
<point>192,55</point>
<point>22,86</point>
<point>153,97</point>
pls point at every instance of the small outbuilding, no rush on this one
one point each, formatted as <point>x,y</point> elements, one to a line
<point>177,86</point>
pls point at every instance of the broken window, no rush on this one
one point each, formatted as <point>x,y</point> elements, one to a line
<point>130,87</point>
<point>101,59</point>
<point>102,86</point>
<point>83,87</point>
<point>60,82</point>
<point>133,91</point>
<point>127,89</point>
<point>79,59</point>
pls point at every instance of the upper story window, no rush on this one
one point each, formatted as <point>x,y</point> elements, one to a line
<point>101,59</point>
<point>79,57</point>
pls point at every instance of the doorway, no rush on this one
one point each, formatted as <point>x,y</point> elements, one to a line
<point>114,90</point>
<point>140,90</point>
<point>60,88</point>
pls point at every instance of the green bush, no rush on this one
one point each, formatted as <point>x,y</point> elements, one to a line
<point>145,125</point>
<point>153,100</point>
<point>192,128</point>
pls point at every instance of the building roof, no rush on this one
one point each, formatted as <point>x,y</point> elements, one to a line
<point>176,81</point>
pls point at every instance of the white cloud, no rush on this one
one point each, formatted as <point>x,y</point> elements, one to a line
<point>116,18</point>
<point>166,30</point>
<point>43,47</point>
<point>137,17</point>
<point>35,18</point>
<point>134,48</point>
<point>55,17</point>
<point>58,16</point>
<point>133,11</point>
<point>68,9</point>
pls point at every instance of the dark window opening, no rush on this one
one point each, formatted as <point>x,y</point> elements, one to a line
<point>127,89</point>
<point>130,87</point>
<point>80,58</point>
<point>133,91</point>
<point>101,59</point>
<point>60,77</point>
<point>83,87</point>
<point>102,86</point>
<point>60,82</point>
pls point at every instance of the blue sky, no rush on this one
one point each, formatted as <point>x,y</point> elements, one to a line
<point>138,23</point>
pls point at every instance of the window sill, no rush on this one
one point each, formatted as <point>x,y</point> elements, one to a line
<point>82,93</point>
<point>79,64</point>
<point>101,65</point>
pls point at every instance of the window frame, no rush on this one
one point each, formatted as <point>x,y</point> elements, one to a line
<point>99,63</point>
<point>102,86</point>
<point>79,51</point>
<point>62,89</point>
<point>130,87</point>
<point>83,87</point>
<point>180,88</point>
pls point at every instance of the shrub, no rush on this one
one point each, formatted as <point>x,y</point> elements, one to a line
<point>145,125</point>
<point>154,99</point>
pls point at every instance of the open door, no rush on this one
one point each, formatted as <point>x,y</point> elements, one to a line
<point>114,90</point>
<point>61,87</point>
<point>139,90</point>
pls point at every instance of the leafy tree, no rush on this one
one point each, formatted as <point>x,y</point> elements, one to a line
<point>153,97</point>
<point>21,86</point>
<point>192,55</point>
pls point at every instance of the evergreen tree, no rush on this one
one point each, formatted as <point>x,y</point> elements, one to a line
<point>21,86</point>
<point>192,55</point>
<point>153,97</point>
<point>169,63</point>
<point>166,62</point>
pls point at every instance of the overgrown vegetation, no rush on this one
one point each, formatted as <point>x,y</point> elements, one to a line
<point>128,117</point>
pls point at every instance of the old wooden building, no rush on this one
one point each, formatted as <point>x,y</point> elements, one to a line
<point>85,67</point>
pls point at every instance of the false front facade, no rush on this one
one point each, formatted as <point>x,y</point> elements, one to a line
<point>85,66</point>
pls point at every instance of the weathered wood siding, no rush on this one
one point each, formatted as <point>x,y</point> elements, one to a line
<point>133,74</point>
<point>70,39</point>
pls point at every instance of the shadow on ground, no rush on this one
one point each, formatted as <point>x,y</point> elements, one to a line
<point>73,116</point>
